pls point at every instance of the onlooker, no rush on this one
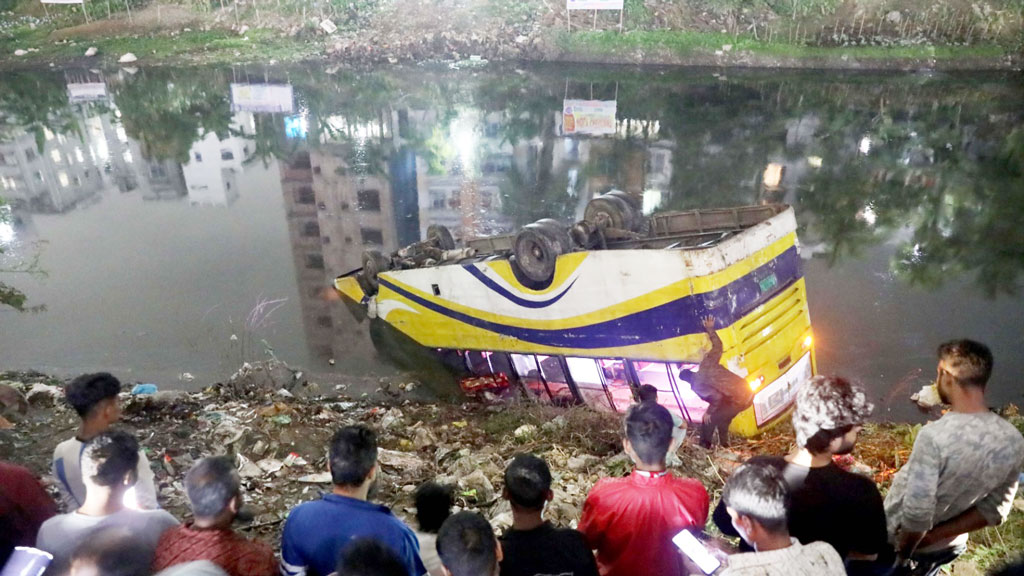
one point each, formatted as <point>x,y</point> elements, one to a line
<point>109,462</point>
<point>24,506</point>
<point>828,503</point>
<point>215,494</point>
<point>433,507</point>
<point>962,473</point>
<point>533,546</point>
<point>467,546</point>
<point>367,557</point>
<point>726,393</point>
<point>94,398</point>
<point>648,393</point>
<point>756,498</point>
<point>109,552</point>
<point>631,521</point>
<point>316,532</point>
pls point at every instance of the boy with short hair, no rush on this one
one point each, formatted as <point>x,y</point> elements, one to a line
<point>757,500</point>
<point>467,546</point>
<point>109,462</point>
<point>315,533</point>
<point>94,398</point>
<point>532,545</point>
<point>631,521</point>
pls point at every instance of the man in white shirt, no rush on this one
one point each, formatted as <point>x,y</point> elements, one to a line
<point>109,462</point>
<point>94,398</point>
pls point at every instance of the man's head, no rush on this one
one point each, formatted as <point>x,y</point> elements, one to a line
<point>214,490</point>
<point>648,433</point>
<point>367,557</point>
<point>94,398</point>
<point>467,546</point>
<point>963,363</point>
<point>110,461</point>
<point>433,506</point>
<point>353,456</point>
<point>648,393</point>
<point>110,552</point>
<point>829,412</point>
<point>757,498</point>
<point>528,483</point>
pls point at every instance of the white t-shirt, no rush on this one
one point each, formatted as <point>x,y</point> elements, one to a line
<point>428,553</point>
<point>67,469</point>
<point>63,533</point>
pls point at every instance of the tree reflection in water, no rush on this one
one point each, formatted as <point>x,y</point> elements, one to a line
<point>934,162</point>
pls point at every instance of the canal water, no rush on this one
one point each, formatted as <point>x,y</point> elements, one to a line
<point>178,222</point>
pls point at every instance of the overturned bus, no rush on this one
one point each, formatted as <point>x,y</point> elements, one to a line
<point>589,313</point>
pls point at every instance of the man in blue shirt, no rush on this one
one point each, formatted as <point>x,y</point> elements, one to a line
<point>316,532</point>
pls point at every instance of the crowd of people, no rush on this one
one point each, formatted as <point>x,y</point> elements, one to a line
<point>795,514</point>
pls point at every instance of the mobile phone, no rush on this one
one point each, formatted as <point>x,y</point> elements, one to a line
<point>696,551</point>
<point>25,561</point>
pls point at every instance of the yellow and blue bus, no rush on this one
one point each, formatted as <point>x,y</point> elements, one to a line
<point>624,312</point>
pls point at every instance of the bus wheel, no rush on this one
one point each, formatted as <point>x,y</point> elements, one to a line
<point>440,236</point>
<point>610,211</point>
<point>373,264</point>
<point>535,253</point>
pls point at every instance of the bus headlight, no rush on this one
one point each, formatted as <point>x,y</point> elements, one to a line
<point>808,341</point>
<point>755,383</point>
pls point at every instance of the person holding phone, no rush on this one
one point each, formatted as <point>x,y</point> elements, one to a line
<point>756,498</point>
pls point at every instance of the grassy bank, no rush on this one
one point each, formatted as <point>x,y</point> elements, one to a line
<point>680,46</point>
<point>907,34</point>
<point>215,46</point>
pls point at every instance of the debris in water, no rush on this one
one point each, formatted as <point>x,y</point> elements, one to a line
<point>927,397</point>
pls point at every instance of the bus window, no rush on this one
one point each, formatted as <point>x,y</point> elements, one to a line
<point>656,374</point>
<point>558,384</point>
<point>529,375</point>
<point>615,376</point>
<point>680,375</point>
<point>478,363</point>
<point>588,381</point>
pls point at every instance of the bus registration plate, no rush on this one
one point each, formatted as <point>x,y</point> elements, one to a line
<point>776,397</point>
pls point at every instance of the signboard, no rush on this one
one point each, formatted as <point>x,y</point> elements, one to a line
<point>589,117</point>
<point>86,91</point>
<point>593,4</point>
<point>261,98</point>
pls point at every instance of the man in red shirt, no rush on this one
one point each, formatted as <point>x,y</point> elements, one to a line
<point>631,521</point>
<point>214,491</point>
<point>24,506</point>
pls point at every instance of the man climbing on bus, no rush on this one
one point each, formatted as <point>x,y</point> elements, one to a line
<point>726,393</point>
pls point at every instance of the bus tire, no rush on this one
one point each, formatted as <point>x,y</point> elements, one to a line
<point>535,254</point>
<point>440,237</point>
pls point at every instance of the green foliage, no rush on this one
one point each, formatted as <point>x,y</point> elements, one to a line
<point>167,112</point>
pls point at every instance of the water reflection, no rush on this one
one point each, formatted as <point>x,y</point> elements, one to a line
<point>922,176</point>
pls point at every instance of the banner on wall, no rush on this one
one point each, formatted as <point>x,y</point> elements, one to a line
<point>588,117</point>
<point>86,91</point>
<point>593,4</point>
<point>261,98</point>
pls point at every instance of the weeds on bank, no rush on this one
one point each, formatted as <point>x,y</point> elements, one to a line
<point>685,43</point>
<point>213,46</point>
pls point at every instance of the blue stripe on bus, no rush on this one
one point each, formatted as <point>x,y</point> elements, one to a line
<point>679,317</point>
<point>495,287</point>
